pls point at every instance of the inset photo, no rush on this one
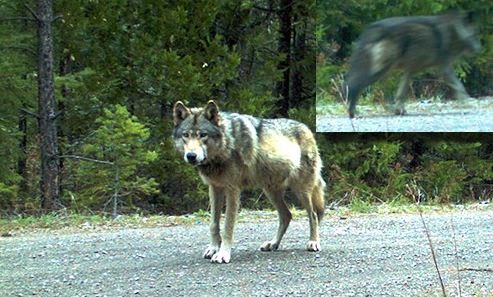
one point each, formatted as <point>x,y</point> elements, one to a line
<point>405,67</point>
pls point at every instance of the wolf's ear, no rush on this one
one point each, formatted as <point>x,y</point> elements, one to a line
<point>211,112</point>
<point>180,112</point>
<point>470,17</point>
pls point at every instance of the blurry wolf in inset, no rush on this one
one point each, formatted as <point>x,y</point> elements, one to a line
<point>233,151</point>
<point>410,44</point>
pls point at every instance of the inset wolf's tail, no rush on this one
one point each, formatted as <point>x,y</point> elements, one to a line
<point>318,201</point>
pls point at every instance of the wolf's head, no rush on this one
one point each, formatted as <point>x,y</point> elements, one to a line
<point>196,131</point>
<point>464,31</point>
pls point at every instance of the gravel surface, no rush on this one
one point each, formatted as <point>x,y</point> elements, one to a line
<point>371,255</point>
<point>471,116</point>
<point>480,121</point>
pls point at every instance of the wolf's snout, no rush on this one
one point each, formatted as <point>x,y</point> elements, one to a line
<point>191,157</point>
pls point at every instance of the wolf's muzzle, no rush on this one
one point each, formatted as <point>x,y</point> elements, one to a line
<point>191,157</point>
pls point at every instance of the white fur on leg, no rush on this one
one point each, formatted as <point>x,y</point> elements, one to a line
<point>210,251</point>
<point>313,246</point>
<point>223,256</point>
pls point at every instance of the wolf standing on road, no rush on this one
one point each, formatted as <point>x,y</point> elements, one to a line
<point>233,151</point>
<point>410,44</point>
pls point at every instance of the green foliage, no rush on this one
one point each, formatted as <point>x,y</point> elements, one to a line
<point>119,139</point>
<point>442,181</point>
<point>367,169</point>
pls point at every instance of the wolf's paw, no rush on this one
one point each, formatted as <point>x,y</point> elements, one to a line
<point>400,111</point>
<point>269,246</point>
<point>210,251</point>
<point>222,256</point>
<point>313,246</point>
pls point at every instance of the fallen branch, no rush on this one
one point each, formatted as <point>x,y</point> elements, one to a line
<point>477,269</point>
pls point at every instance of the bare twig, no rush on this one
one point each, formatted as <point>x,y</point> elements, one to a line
<point>18,19</point>
<point>273,10</point>
<point>56,115</point>
<point>430,243</point>
<point>30,113</point>
<point>58,17</point>
<point>36,17</point>
<point>415,192</point>
<point>477,269</point>
<point>456,255</point>
<point>20,48</point>
<point>85,159</point>
<point>340,88</point>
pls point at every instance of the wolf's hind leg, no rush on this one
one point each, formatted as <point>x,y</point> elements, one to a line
<point>216,196</point>
<point>277,198</point>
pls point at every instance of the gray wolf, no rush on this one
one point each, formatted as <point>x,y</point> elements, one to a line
<point>233,152</point>
<point>410,44</point>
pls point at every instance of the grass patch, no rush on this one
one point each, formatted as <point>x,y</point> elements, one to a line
<point>69,222</point>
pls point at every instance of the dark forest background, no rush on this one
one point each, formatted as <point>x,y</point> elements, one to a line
<point>87,89</point>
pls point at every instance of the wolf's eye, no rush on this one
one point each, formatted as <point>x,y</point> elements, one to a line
<point>203,134</point>
<point>185,134</point>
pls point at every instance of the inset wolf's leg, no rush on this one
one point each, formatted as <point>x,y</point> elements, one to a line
<point>454,82</point>
<point>401,94</point>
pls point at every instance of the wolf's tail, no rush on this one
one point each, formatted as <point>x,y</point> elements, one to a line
<point>318,201</point>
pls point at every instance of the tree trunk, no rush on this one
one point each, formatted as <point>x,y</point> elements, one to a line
<point>46,105</point>
<point>299,37</point>
<point>285,33</point>
<point>65,69</point>
<point>22,162</point>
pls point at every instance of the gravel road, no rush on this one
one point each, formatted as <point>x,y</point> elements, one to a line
<point>478,121</point>
<point>365,255</point>
<point>470,116</point>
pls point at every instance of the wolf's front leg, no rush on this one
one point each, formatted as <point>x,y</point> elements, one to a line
<point>216,196</point>
<point>232,205</point>
<point>454,82</point>
<point>401,94</point>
